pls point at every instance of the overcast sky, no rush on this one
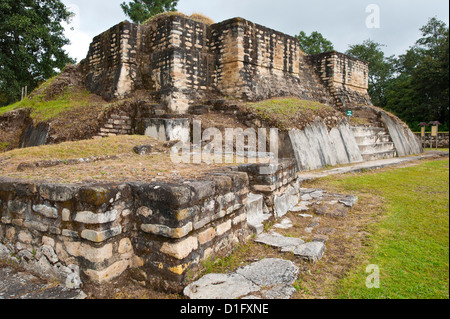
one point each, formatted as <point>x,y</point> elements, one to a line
<point>343,22</point>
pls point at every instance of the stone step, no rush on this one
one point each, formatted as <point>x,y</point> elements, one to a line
<point>376,147</point>
<point>379,155</point>
<point>360,131</point>
<point>362,140</point>
<point>256,213</point>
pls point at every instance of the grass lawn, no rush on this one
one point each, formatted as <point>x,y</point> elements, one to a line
<point>410,245</point>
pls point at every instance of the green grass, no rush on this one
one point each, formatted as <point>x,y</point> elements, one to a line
<point>288,112</point>
<point>42,110</point>
<point>411,244</point>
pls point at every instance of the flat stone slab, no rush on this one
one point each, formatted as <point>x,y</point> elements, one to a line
<point>21,285</point>
<point>272,278</point>
<point>303,206</point>
<point>312,251</point>
<point>285,223</point>
<point>270,272</point>
<point>221,286</point>
<point>277,240</point>
<point>349,200</point>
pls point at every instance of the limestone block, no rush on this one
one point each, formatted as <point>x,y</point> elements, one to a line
<point>165,231</point>
<point>100,236</point>
<point>88,217</point>
<point>182,249</point>
<point>46,210</point>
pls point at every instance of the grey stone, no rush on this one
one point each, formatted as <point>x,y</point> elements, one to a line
<point>279,292</point>
<point>312,251</point>
<point>286,223</point>
<point>270,271</point>
<point>301,207</point>
<point>256,216</point>
<point>349,200</point>
<point>46,211</point>
<point>92,218</point>
<point>143,149</point>
<point>220,286</point>
<point>279,241</point>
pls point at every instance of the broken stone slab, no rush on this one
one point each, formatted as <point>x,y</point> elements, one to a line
<point>221,286</point>
<point>270,272</point>
<point>286,223</point>
<point>272,277</point>
<point>305,215</point>
<point>317,194</point>
<point>303,206</point>
<point>349,200</point>
<point>279,241</point>
<point>143,149</point>
<point>279,292</point>
<point>312,251</point>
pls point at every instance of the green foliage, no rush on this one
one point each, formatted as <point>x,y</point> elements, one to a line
<point>421,92</point>
<point>381,68</point>
<point>42,109</point>
<point>32,40</point>
<point>140,11</point>
<point>314,43</point>
<point>414,86</point>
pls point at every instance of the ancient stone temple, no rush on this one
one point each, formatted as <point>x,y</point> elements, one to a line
<point>159,233</point>
<point>182,61</point>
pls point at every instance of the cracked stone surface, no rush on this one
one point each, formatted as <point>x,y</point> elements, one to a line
<point>277,240</point>
<point>271,277</point>
<point>312,251</point>
<point>21,285</point>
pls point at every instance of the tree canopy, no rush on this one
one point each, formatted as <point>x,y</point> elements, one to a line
<point>140,11</point>
<point>381,68</point>
<point>420,91</point>
<point>31,44</point>
<point>414,85</point>
<point>315,43</point>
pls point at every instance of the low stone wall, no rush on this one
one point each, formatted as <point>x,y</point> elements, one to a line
<point>277,183</point>
<point>94,233</point>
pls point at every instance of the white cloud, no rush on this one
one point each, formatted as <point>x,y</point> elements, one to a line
<point>79,39</point>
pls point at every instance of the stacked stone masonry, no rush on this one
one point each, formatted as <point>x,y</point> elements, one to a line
<point>180,62</point>
<point>157,233</point>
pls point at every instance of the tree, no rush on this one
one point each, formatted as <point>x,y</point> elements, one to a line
<point>421,91</point>
<point>381,69</point>
<point>31,44</point>
<point>140,11</point>
<point>315,43</point>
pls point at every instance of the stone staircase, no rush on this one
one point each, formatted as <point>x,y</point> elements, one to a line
<point>374,142</point>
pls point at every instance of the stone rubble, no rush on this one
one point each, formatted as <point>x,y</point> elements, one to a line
<point>273,278</point>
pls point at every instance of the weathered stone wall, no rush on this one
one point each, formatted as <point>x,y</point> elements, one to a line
<point>161,232</point>
<point>347,78</point>
<point>110,67</point>
<point>317,147</point>
<point>278,184</point>
<point>256,63</point>
<point>180,61</point>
